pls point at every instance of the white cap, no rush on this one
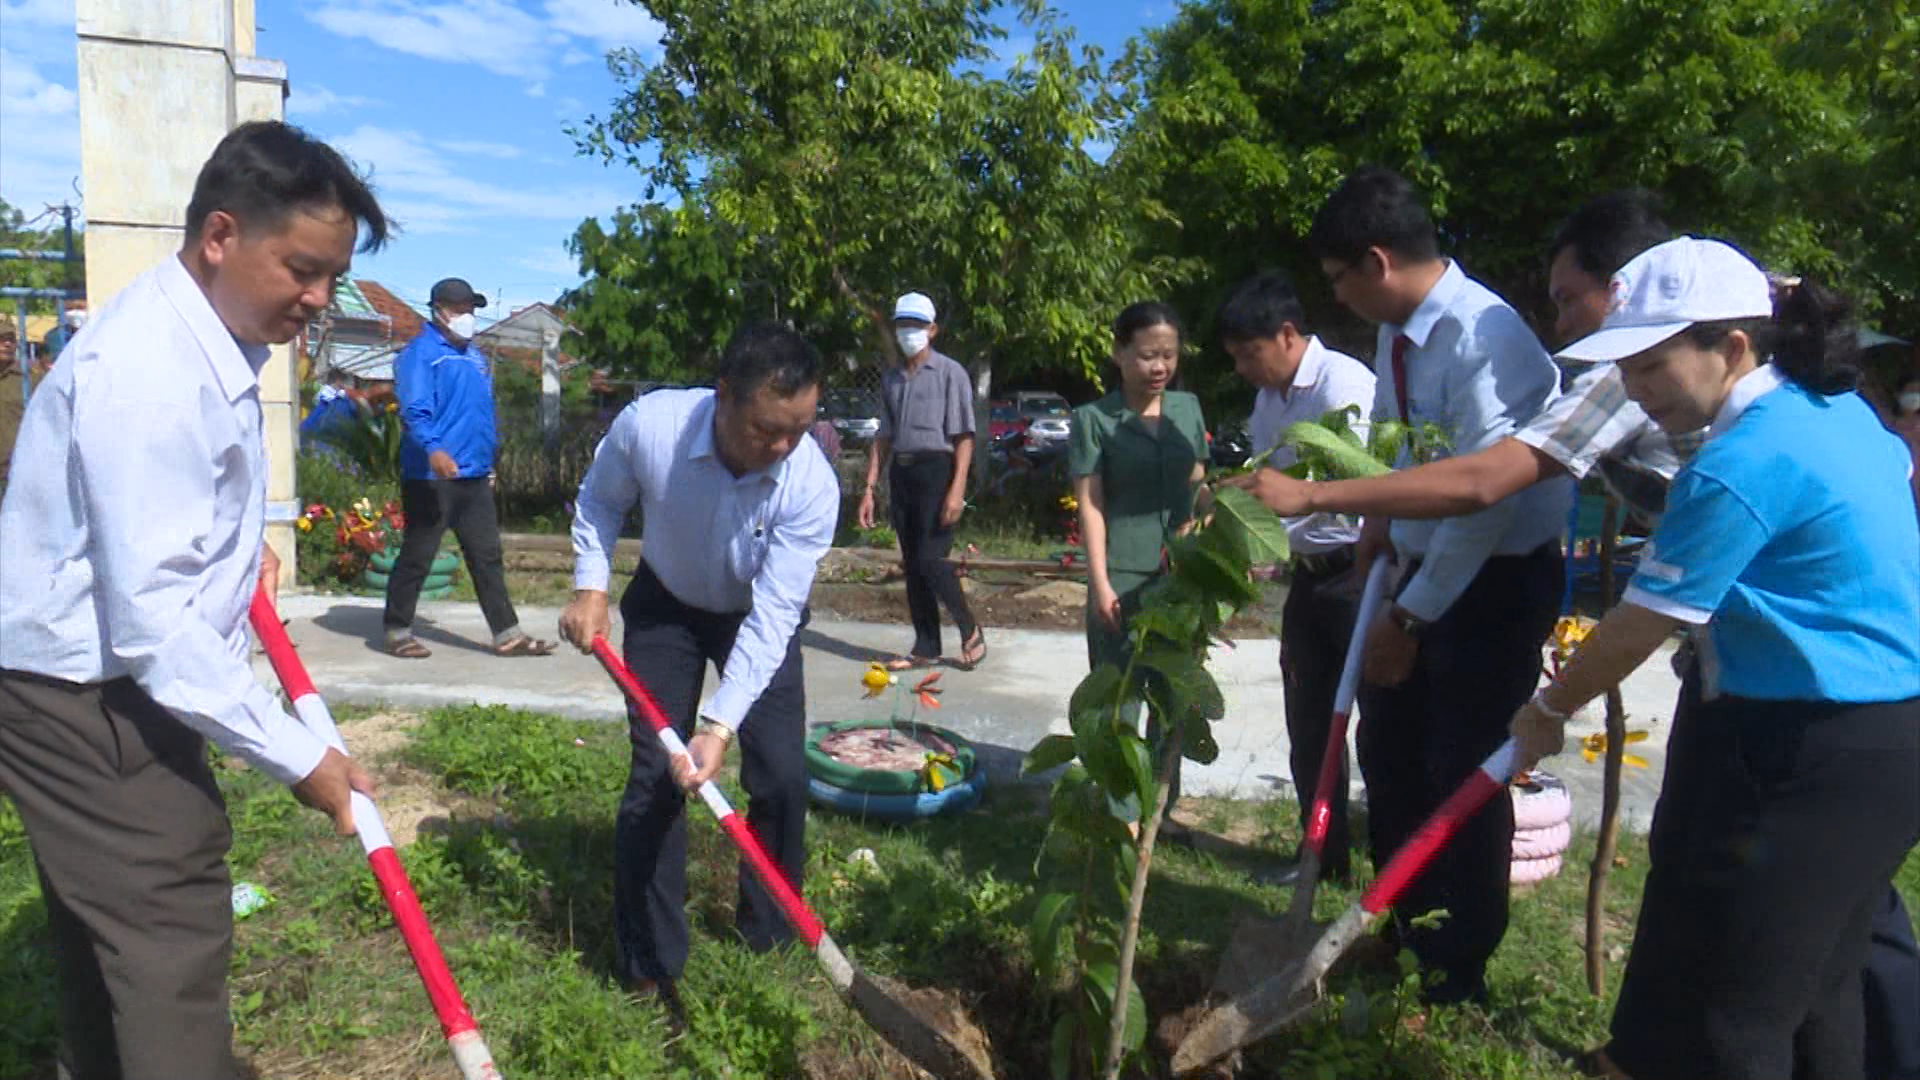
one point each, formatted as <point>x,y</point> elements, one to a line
<point>1668,288</point>
<point>914,306</point>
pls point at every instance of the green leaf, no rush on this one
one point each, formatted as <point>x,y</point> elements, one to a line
<point>1052,751</point>
<point>1140,763</point>
<point>1265,537</point>
<point>1050,920</point>
<point>1134,1036</point>
<point>1190,688</point>
<point>1060,1047</point>
<point>1096,691</point>
<point>1328,451</point>
<point>1213,575</point>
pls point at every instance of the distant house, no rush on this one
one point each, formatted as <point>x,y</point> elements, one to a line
<point>520,336</point>
<point>361,331</point>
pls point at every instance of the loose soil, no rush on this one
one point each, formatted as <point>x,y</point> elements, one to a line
<point>408,799</point>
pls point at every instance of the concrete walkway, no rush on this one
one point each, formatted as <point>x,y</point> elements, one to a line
<point>1018,696</point>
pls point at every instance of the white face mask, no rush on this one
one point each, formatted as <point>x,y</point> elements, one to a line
<point>1910,402</point>
<point>912,341</point>
<point>461,326</point>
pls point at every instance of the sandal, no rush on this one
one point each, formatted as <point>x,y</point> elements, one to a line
<point>977,647</point>
<point>408,648</point>
<point>909,663</point>
<point>523,645</point>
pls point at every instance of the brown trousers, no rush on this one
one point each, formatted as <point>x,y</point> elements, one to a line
<point>130,836</point>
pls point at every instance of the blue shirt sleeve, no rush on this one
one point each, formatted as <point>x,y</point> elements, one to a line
<point>1708,537</point>
<point>413,384</point>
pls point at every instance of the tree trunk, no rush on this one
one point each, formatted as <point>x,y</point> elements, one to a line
<point>1136,899</point>
<point>982,371</point>
<point>1604,848</point>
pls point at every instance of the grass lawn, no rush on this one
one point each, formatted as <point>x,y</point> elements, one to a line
<point>516,878</point>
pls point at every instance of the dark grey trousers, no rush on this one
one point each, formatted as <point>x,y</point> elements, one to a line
<point>130,837</point>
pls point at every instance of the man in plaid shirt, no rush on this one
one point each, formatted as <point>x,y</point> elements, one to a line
<point>1591,425</point>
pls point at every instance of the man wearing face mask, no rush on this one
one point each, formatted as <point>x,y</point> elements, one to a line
<point>446,466</point>
<point>926,425</point>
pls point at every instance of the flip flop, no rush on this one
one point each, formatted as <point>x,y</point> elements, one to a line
<point>909,663</point>
<point>979,641</point>
<point>524,645</point>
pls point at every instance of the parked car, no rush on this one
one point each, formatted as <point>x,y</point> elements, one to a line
<point>1004,420</point>
<point>1229,446</point>
<point>1048,419</point>
<point>855,414</point>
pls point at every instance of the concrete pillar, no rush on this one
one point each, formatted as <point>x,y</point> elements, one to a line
<point>160,82</point>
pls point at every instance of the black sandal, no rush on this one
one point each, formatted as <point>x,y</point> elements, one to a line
<point>523,645</point>
<point>977,641</point>
<point>408,648</point>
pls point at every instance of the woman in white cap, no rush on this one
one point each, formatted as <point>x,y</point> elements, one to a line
<point>1792,792</point>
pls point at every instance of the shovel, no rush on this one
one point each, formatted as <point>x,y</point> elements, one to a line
<point>918,1040</point>
<point>1291,992</point>
<point>456,1023</point>
<point>1256,940</point>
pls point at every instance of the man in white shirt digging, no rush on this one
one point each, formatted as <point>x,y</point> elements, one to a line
<point>130,541</point>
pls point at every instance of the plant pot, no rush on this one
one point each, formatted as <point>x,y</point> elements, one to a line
<point>373,579</point>
<point>443,563</point>
<point>823,766</point>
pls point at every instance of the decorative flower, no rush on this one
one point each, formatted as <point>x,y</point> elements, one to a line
<point>1069,503</point>
<point>1568,634</point>
<point>931,769</point>
<point>304,524</point>
<point>928,691</point>
<point>876,680</point>
<point>1594,746</point>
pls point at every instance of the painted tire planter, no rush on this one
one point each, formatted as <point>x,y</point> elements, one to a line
<point>926,804</point>
<point>888,757</point>
<point>1540,801</point>
<point>1533,871</point>
<point>443,564</point>
<point>434,583</point>
<point>1541,843</point>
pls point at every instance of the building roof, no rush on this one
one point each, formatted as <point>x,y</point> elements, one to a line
<point>405,321</point>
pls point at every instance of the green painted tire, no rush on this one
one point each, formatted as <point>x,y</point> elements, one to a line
<point>443,563</point>
<point>374,579</point>
<point>824,767</point>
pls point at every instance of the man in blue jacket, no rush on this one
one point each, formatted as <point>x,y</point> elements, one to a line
<point>446,469</point>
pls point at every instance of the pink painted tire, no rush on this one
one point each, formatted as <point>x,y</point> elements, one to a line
<point>1533,871</point>
<point>1540,801</point>
<point>1541,843</point>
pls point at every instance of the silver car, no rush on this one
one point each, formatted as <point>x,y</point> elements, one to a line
<point>1049,418</point>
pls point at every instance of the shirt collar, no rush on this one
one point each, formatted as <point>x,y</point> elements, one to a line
<point>1439,298</point>
<point>236,365</point>
<point>1752,386</point>
<point>1313,363</point>
<point>701,445</point>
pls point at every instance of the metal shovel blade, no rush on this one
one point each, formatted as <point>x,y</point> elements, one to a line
<point>921,1041</point>
<point>1283,998</point>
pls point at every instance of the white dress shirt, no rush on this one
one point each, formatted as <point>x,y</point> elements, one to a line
<point>1325,382</point>
<point>1475,369</point>
<point>718,542</point>
<point>130,535</point>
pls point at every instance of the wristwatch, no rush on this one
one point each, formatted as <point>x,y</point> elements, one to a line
<point>1409,623</point>
<point>716,729</point>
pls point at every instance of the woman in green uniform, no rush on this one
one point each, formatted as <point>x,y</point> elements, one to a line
<point>1137,458</point>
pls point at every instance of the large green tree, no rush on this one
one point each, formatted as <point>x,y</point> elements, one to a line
<point>1752,118</point>
<point>833,153</point>
<point>45,233</point>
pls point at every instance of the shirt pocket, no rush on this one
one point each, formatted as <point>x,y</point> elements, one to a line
<point>752,537</point>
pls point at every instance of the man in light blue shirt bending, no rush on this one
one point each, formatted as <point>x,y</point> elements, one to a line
<point>737,506</point>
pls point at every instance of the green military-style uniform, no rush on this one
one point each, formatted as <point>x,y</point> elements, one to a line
<point>1146,481</point>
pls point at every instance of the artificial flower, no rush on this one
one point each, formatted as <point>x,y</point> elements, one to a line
<point>1594,746</point>
<point>876,680</point>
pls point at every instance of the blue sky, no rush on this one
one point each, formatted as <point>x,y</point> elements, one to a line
<point>458,108</point>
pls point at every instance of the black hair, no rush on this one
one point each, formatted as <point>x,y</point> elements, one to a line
<point>1144,315</point>
<point>1810,337</point>
<point>1608,230</point>
<point>1258,307</point>
<point>1373,207</point>
<point>264,170</point>
<point>771,355</point>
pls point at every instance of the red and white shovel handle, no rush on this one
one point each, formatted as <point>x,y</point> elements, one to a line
<point>1320,815</point>
<point>1484,783</point>
<point>806,925</point>
<point>463,1035</point>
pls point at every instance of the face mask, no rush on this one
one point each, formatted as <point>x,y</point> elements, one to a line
<point>461,326</point>
<point>912,342</point>
<point>1910,402</point>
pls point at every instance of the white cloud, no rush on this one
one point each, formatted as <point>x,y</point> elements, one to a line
<point>492,34</point>
<point>477,148</point>
<point>537,90</point>
<point>421,187</point>
<point>611,24</point>
<point>23,14</point>
<point>496,35</point>
<point>40,154</point>
<point>314,99</point>
<point>553,260</point>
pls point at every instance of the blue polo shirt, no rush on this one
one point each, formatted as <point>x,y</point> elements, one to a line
<point>446,400</point>
<point>1792,537</point>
